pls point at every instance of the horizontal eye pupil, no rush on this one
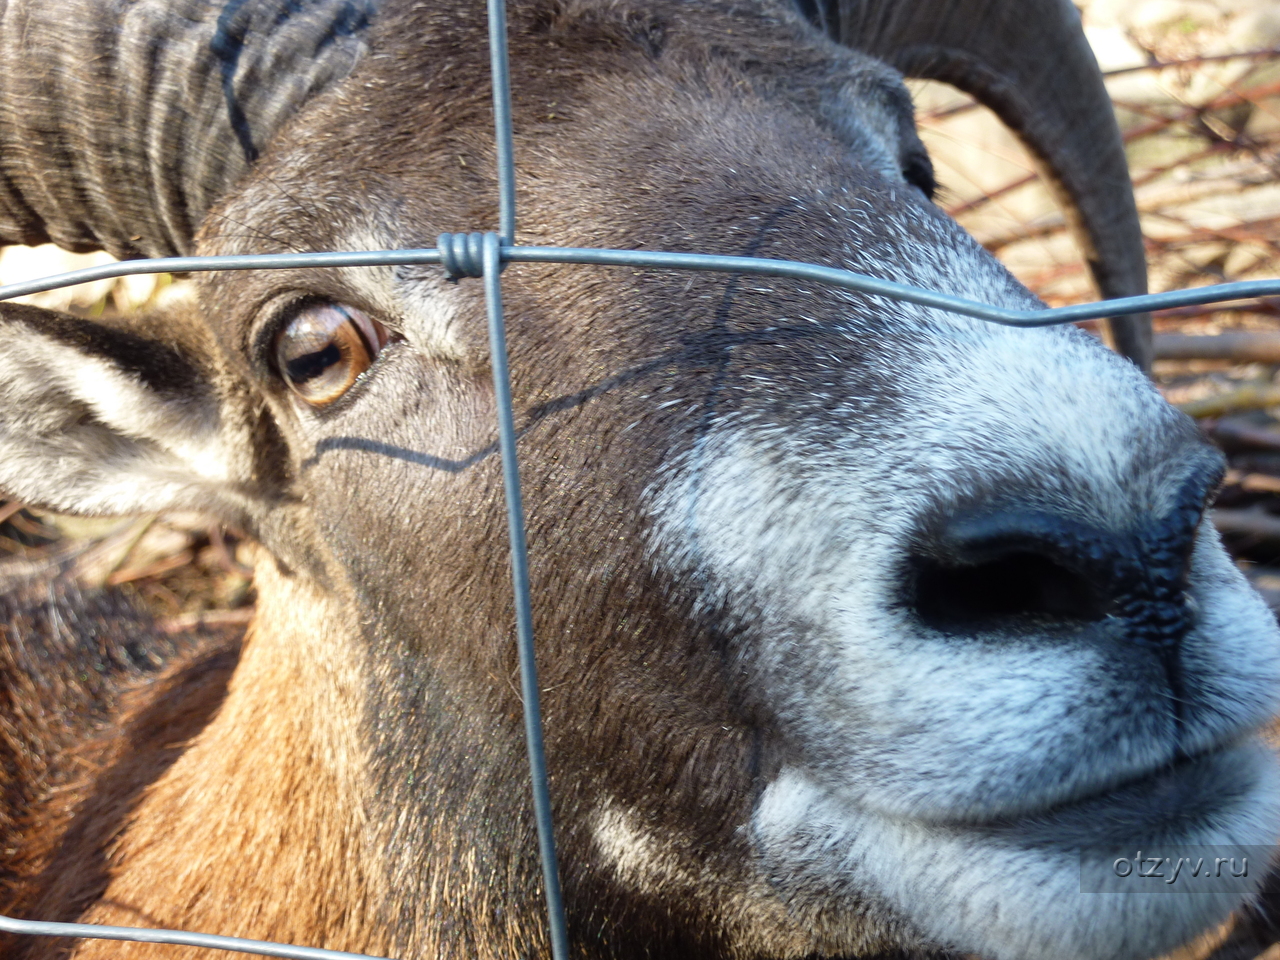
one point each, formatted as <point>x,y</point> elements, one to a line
<point>311,365</point>
<point>323,351</point>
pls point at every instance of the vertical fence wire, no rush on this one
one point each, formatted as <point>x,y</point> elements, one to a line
<point>500,70</point>
<point>524,608</point>
<point>492,262</point>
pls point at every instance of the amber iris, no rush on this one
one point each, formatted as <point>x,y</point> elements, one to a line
<point>325,348</point>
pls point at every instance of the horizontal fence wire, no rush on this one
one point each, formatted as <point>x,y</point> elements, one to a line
<point>660,260</point>
<point>180,938</point>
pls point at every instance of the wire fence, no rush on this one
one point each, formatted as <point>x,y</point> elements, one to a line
<point>484,256</point>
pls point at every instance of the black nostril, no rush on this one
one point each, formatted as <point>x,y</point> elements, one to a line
<point>1029,571</point>
<point>1019,585</point>
<point>992,570</point>
<point>996,568</point>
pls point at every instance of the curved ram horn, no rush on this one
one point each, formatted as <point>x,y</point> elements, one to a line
<point>115,116</point>
<point>1028,61</point>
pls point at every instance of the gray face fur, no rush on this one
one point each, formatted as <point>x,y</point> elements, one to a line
<point>857,619</point>
<point>954,770</point>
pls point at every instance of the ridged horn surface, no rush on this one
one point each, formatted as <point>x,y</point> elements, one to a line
<point>1028,61</point>
<point>123,121</point>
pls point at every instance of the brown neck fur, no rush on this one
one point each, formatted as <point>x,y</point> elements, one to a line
<point>115,699</point>
<point>250,828</point>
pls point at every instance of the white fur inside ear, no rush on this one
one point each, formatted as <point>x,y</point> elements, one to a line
<point>78,433</point>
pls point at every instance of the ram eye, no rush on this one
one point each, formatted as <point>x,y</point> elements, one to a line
<point>325,348</point>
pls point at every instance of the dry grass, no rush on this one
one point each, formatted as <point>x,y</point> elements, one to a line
<point>1200,112</point>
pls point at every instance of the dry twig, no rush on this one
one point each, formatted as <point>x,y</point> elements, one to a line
<point>1250,396</point>
<point>1238,346</point>
<point>1254,523</point>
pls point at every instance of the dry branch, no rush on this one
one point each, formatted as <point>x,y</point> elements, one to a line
<point>1234,433</point>
<point>1254,523</point>
<point>1251,396</point>
<point>155,569</point>
<point>1260,483</point>
<point>1193,61</point>
<point>1237,346</point>
<point>207,618</point>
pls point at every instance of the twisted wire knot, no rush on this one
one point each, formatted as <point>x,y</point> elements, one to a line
<point>461,254</point>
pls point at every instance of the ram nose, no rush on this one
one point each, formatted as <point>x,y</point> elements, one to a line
<point>1018,571</point>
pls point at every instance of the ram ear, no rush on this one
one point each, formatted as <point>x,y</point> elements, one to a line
<point>101,421</point>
